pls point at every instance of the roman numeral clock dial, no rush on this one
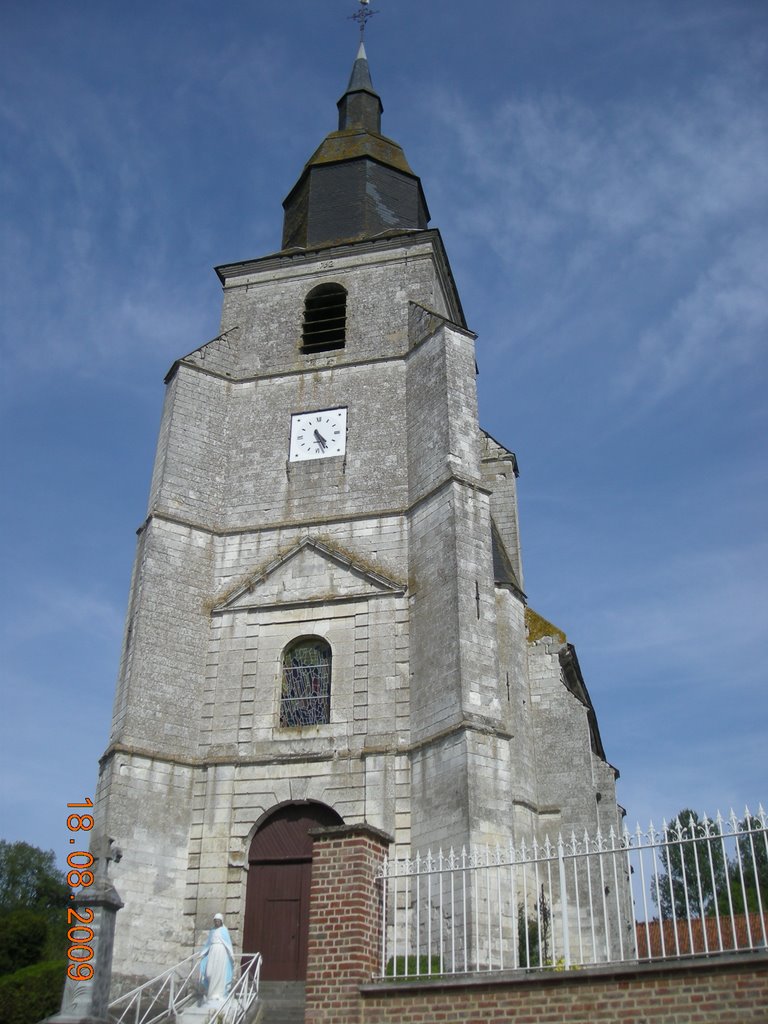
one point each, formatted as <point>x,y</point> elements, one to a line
<point>318,435</point>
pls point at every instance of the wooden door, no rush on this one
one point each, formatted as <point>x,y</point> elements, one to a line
<point>279,895</point>
<point>277,901</point>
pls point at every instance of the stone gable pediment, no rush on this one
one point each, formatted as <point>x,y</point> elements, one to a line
<point>310,572</point>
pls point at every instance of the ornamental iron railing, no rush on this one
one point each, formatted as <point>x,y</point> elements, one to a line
<point>167,997</point>
<point>160,997</point>
<point>693,887</point>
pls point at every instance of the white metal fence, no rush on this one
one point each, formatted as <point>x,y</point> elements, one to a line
<point>693,887</point>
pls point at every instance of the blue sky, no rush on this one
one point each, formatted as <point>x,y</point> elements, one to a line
<point>597,170</point>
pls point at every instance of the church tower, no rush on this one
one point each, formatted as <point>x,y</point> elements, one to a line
<point>327,620</point>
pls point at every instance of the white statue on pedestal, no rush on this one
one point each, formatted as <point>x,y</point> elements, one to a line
<point>218,962</point>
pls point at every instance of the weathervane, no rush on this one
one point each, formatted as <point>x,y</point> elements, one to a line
<point>362,15</point>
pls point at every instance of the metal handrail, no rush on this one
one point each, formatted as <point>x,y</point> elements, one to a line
<point>242,995</point>
<point>158,998</point>
<point>165,997</point>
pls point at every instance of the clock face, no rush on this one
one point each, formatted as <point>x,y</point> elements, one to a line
<point>318,435</point>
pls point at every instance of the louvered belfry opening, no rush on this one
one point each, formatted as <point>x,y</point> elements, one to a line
<point>325,318</point>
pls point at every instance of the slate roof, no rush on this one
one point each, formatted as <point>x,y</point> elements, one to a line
<point>357,184</point>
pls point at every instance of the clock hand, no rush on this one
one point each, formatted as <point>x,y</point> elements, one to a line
<point>320,439</point>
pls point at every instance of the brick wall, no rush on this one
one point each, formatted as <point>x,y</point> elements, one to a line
<point>344,921</point>
<point>727,990</point>
<point>344,937</point>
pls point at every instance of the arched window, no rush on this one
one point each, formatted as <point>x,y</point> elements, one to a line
<point>305,697</point>
<point>325,318</point>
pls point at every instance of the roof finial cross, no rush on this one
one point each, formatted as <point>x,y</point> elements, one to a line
<point>362,15</point>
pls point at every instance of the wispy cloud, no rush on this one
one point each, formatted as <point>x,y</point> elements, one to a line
<point>104,257</point>
<point>50,607</point>
<point>720,325</point>
<point>669,612</point>
<point>634,212</point>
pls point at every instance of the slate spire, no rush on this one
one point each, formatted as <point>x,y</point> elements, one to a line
<point>357,184</point>
<point>360,106</point>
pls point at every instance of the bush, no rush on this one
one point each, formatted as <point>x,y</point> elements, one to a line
<point>29,995</point>
<point>23,935</point>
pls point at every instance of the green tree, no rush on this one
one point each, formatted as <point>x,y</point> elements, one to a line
<point>693,868</point>
<point>29,878</point>
<point>748,871</point>
<point>33,897</point>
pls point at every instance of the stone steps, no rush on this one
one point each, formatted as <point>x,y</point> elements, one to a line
<point>283,1002</point>
<point>204,1015</point>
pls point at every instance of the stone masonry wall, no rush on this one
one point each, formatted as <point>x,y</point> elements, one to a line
<point>498,467</point>
<point>384,553</point>
<point>574,785</point>
<point>151,933</point>
<point>516,698</point>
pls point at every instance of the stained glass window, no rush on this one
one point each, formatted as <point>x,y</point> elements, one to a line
<point>306,692</point>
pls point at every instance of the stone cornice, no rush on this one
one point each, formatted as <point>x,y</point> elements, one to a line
<point>280,261</point>
<point>479,726</point>
<point>309,524</point>
<point>313,369</point>
<point>333,366</point>
<point>362,829</point>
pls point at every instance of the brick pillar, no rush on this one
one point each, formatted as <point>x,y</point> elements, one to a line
<point>344,920</point>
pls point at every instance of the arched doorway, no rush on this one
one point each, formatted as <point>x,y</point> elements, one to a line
<point>277,898</point>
